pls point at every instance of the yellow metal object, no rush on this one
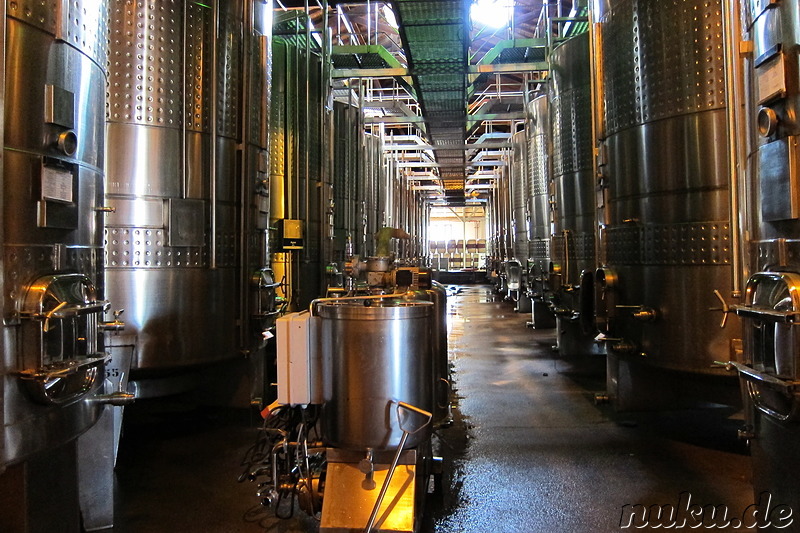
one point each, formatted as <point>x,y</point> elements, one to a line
<point>347,504</point>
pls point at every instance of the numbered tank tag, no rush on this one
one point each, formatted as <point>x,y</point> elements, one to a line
<point>56,185</point>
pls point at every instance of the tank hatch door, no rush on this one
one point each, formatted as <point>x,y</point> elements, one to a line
<point>771,316</point>
<point>61,323</point>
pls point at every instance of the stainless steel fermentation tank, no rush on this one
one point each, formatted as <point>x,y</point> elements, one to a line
<point>379,399</point>
<point>665,214</point>
<point>500,240</point>
<point>345,178</point>
<point>771,349</point>
<point>372,193</point>
<point>301,189</point>
<point>404,209</point>
<point>540,220</point>
<point>53,364</point>
<point>573,239</point>
<point>379,355</point>
<point>520,218</point>
<point>369,192</point>
<point>374,368</point>
<point>519,197</point>
<point>188,178</point>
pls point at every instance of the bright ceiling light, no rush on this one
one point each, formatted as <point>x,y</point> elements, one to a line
<point>493,13</point>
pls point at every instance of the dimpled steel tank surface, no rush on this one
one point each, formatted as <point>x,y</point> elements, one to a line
<point>666,230</point>
<point>53,364</point>
<point>180,80</point>
<point>573,240</point>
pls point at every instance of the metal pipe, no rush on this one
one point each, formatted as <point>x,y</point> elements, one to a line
<point>291,119</point>
<point>369,23</point>
<point>213,155</point>
<point>350,212</point>
<point>292,269</point>
<point>307,135</point>
<point>266,95</point>
<point>327,163</point>
<point>362,174</point>
<point>512,26</point>
<point>184,158</point>
<point>598,132</point>
<point>386,482</point>
<point>246,179</point>
<point>565,277</point>
<point>735,125</point>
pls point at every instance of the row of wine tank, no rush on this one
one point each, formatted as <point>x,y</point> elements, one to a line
<point>651,212</point>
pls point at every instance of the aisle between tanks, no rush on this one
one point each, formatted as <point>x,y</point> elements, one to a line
<point>541,457</point>
<point>528,451</point>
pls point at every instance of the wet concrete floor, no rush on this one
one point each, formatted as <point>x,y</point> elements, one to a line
<point>528,451</point>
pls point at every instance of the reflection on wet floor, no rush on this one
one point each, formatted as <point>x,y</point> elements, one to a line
<point>528,450</point>
<point>539,455</point>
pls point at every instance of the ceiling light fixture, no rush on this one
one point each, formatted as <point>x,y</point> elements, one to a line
<point>492,13</point>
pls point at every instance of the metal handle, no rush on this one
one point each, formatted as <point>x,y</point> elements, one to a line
<point>753,378</point>
<point>68,310</point>
<point>396,459</point>
<point>785,317</point>
<point>755,397</point>
<point>118,398</point>
<point>445,384</point>
<point>408,407</point>
<point>115,325</point>
<point>753,375</point>
<point>64,381</point>
<point>725,308</point>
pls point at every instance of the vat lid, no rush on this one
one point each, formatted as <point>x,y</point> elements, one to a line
<point>373,309</point>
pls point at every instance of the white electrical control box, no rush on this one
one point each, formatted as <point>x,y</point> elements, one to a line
<point>299,359</point>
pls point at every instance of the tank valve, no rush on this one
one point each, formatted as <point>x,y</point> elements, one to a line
<point>746,433</point>
<point>601,398</point>
<point>725,308</point>
<point>268,496</point>
<point>767,122</point>
<point>367,467</point>
<point>67,142</point>
<point>116,324</point>
<point>118,398</point>
<point>645,314</point>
